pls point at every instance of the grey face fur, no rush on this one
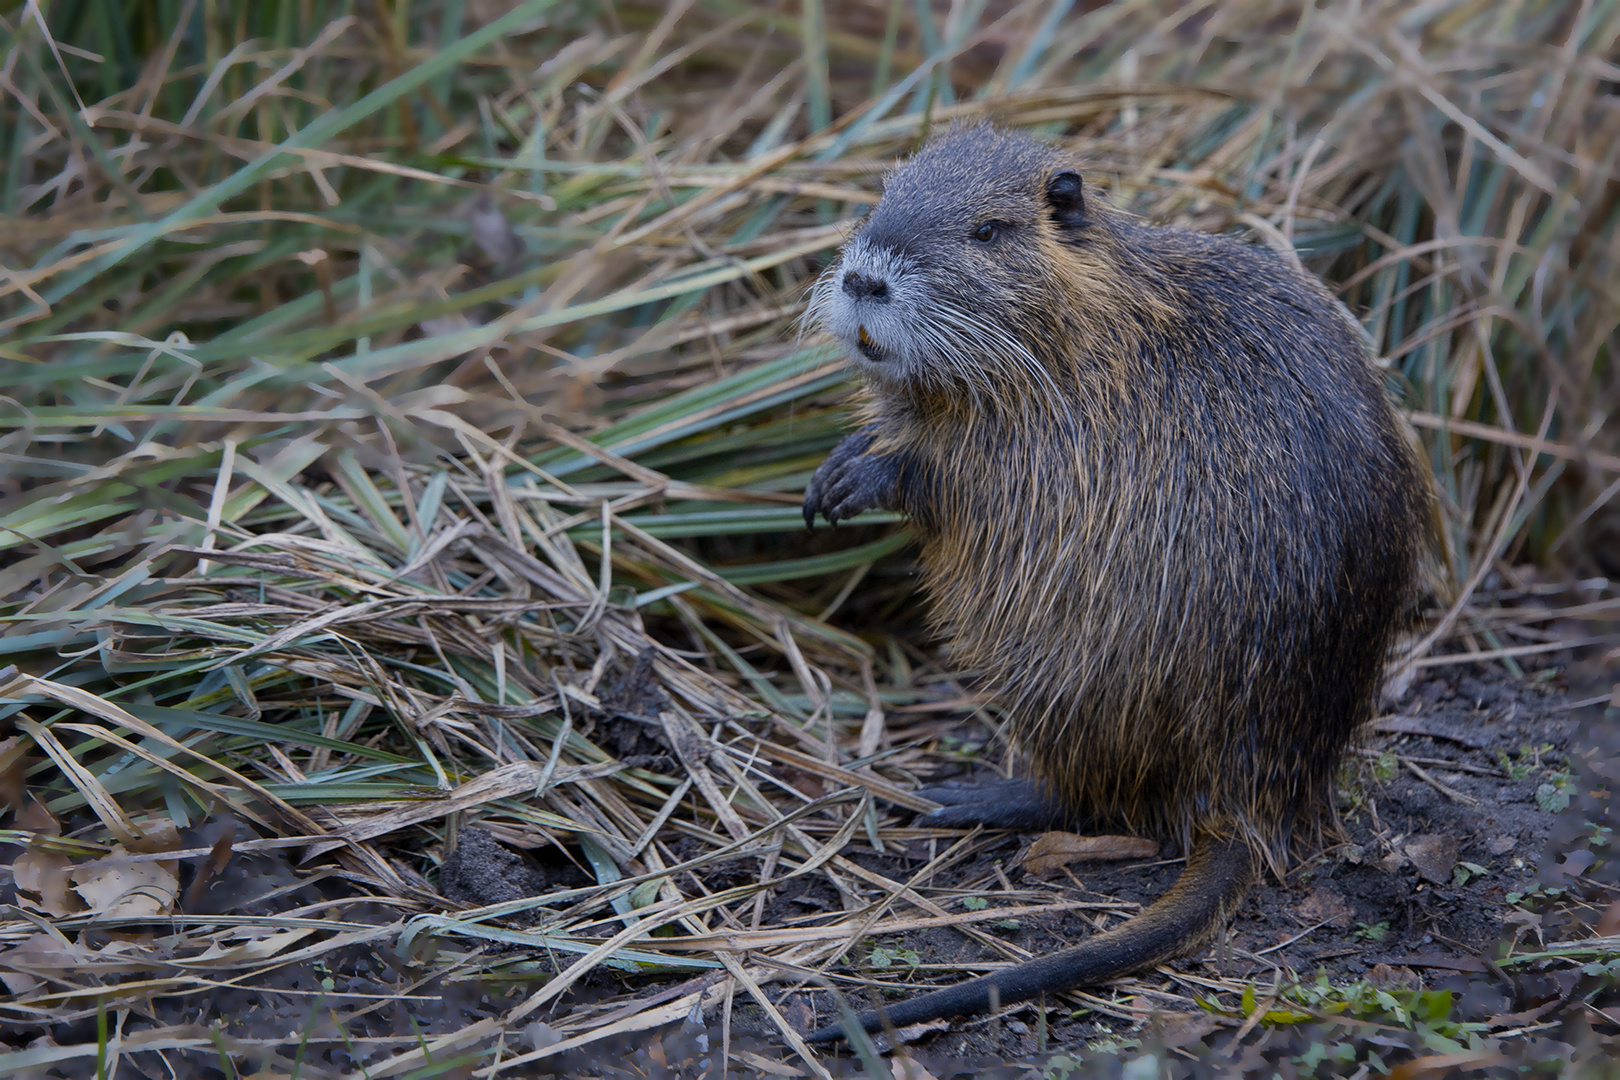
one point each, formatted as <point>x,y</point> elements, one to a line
<point>875,302</point>
<point>924,292</point>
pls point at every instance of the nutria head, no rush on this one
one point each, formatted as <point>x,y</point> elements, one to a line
<point>968,264</point>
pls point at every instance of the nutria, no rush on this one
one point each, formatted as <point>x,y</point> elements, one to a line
<point>1164,505</point>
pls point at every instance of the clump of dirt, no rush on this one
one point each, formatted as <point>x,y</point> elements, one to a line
<point>480,871</point>
<point>628,721</point>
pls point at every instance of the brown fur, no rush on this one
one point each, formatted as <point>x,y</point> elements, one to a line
<point>1179,545</point>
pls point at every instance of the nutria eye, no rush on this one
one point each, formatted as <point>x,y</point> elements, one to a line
<point>985,233</point>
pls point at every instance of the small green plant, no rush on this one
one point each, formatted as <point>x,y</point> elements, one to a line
<point>975,903</point>
<point>1385,766</point>
<point>1428,1013</point>
<point>1114,1044</point>
<point>1063,1066</point>
<point>1374,932</point>
<point>1516,769</point>
<point>1249,1003</point>
<point>1526,763</point>
<point>883,958</point>
<point>1350,786</point>
<point>1466,872</point>
<point>1344,1053</point>
<point>1554,795</point>
<point>1536,891</point>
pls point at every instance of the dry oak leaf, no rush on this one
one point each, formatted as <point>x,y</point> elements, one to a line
<point>1053,851</point>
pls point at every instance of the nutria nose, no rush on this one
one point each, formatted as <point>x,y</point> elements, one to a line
<point>859,286</point>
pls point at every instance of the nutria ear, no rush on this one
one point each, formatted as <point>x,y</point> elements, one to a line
<point>1066,195</point>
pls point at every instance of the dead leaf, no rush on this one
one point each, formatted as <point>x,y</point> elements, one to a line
<point>38,954</point>
<point>1176,1029</point>
<point>1394,978</point>
<point>1434,855</point>
<point>1053,851</point>
<point>43,884</point>
<point>1501,845</point>
<point>19,983</point>
<point>127,890</point>
<point>1608,924</point>
<point>798,1013</point>
<point>156,834</point>
<point>218,856</point>
<point>35,818</point>
<point>1575,863</point>
<point>255,950</point>
<point>905,1068</point>
<point>1325,904</point>
<point>805,783</point>
<point>13,978</point>
<point>13,771</point>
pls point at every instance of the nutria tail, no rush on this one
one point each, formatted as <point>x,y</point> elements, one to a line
<point>1218,875</point>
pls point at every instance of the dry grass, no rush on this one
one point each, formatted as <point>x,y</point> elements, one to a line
<point>381,384</point>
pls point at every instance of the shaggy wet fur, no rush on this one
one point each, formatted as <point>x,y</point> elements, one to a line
<point>1164,504</point>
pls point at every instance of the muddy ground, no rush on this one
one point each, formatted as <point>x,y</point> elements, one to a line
<point>1449,814</point>
<point>1455,822</point>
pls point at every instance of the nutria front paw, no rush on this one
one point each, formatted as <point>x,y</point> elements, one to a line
<point>850,480</point>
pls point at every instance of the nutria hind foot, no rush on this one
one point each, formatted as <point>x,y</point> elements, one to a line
<point>1015,805</point>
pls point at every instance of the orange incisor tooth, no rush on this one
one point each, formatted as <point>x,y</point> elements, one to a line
<point>866,339</point>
